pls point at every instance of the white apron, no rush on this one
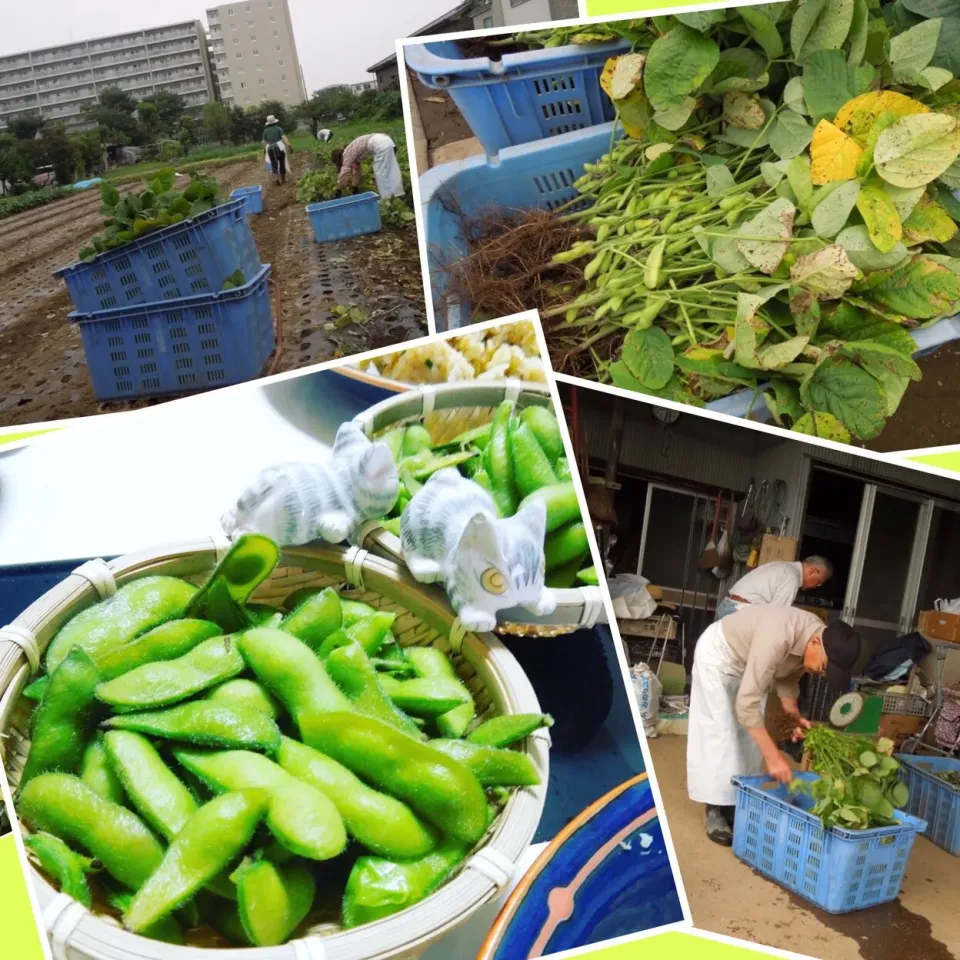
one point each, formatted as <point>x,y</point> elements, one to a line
<point>386,170</point>
<point>718,746</point>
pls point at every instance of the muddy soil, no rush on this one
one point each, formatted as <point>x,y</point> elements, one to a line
<point>442,121</point>
<point>373,297</point>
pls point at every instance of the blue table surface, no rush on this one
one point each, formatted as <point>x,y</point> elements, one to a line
<point>576,677</point>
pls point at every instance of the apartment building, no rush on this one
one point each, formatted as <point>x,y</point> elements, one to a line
<point>59,82</point>
<point>507,13</point>
<point>255,55</point>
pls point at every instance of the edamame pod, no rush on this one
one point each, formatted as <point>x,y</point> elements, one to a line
<point>393,438</point>
<point>211,839</point>
<point>370,632</point>
<point>543,424</point>
<point>153,788</point>
<point>62,722</point>
<point>562,470</point>
<point>498,462</point>
<point>34,689</point>
<point>315,619</point>
<point>351,669</point>
<point>378,821</point>
<point>300,816</point>
<point>490,765</point>
<point>355,610</point>
<point>273,900</point>
<point>65,806</point>
<point>423,696</point>
<point>166,642</point>
<point>169,681</point>
<point>563,577</point>
<point>508,729</point>
<point>415,439</point>
<point>378,888</point>
<point>106,626</point>
<point>566,544</point>
<point>293,600</point>
<point>643,319</point>
<point>440,789</point>
<point>589,576</point>
<point>67,867</point>
<point>261,615</point>
<point>96,772</point>
<point>651,270</point>
<point>434,664</point>
<point>292,672</point>
<point>531,467</point>
<point>245,693</point>
<point>560,501</point>
<point>204,724</point>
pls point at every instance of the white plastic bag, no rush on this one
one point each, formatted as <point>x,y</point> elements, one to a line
<point>646,691</point>
<point>948,606</point>
<point>631,599</point>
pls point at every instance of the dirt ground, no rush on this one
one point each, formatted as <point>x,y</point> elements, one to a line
<point>929,414</point>
<point>729,898</point>
<point>335,299</point>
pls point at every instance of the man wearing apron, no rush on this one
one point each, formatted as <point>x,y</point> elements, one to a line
<point>775,584</point>
<point>736,663</point>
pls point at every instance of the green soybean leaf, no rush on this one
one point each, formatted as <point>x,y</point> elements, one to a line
<point>763,30</point>
<point>933,8</point>
<point>793,94</point>
<point>862,252</point>
<point>880,360</point>
<point>790,135</point>
<point>917,149</point>
<point>648,355</point>
<point>921,288</point>
<point>725,253</point>
<point>823,425</point>
<point>675,389</point>
<point>677,65</point>
<point>798,175</point>
<point>949,202</point>
<point>880,216</point>
<point>805,308</point>
<point>767,234</point>
<point>947,54</point>
<point>839,387</point>
<point>771,173</point>
<point>913,49</point>
<point>787,396</point>
<point>743,111</point>
<point>820,25</point>
<point>859,32</point>
<point>673,118</point>
<point>739,68</point>
<point>904,198</point>
<point>719,181</point>
<point>749,330</point>
<point>707,362</point>
<point>928,222</point>
<point>777,355</point>
<point>829,82</point>
<point>831,215</point>
<point>702,21</point>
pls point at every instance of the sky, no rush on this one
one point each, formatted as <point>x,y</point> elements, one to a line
<point>336,39</point>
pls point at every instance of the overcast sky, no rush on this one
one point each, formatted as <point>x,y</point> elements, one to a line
<point>336,39</point>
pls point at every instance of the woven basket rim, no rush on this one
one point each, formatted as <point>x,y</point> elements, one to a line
<point>425,399</point>
<point>411,930</point>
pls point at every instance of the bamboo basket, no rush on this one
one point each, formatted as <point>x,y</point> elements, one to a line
<point>447,410</point>
<point>496,680</point>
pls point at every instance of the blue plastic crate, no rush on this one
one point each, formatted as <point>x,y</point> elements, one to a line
<point>177,347</point>
<point>188,259</point>
<point>252,198</point>
<point>523,97</point>
<point>933,799</point>
<point>345,218</point>
<point>838,870</point>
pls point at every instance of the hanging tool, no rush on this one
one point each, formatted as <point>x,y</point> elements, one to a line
<point>725,548</point>
<point>710,556</point>
<point>746,514</point>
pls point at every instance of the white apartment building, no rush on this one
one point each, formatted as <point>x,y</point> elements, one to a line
<point>59,82</point>
<point>255,54</point>
<point>358,88</point>
<point>508,13</point>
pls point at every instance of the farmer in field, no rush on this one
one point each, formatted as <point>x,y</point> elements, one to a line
<point>775,584</point>
<point>737,662</point>
<point>276,144</point>
<point>386,170</point>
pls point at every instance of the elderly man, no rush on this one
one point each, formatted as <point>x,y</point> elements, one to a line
<point>737,662</point>
<point>775,584</point>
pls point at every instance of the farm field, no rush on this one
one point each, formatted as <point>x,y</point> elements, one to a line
<point>334,299</point>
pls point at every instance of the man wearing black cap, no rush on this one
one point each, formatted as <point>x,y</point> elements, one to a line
<point>737,662</point>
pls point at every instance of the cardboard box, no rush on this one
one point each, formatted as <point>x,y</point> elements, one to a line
<point>898,727</point>
<point>774,549</point>
<point>942,626</point>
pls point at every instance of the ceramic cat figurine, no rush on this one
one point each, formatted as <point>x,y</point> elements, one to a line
<point>294,503</point>
<point>451,533</point>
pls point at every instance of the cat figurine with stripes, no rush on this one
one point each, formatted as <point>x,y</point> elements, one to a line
<point>294,503</point>
<point>450,533</point>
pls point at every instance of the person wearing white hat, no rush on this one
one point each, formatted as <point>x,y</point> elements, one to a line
<point>325,136</point>
<point>276,145</point>
<point>386,169</point>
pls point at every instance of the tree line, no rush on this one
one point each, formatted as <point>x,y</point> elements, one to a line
<point>163,125</point>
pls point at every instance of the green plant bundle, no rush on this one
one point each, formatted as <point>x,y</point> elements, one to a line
<point>859,785</point>
<point>134,215</point>
<point>32,198</point>
<point>780,212</point>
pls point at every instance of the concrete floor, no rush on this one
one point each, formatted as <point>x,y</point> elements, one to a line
<point>728,897</point>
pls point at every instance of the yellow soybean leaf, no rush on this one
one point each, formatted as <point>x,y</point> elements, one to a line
<point>928,221</point>
<point>634,113</point>
<point>627,75</point>
<point>880,215</point>
<point>606,77</point>
<point>833,154</point>
<point>857,116</point>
